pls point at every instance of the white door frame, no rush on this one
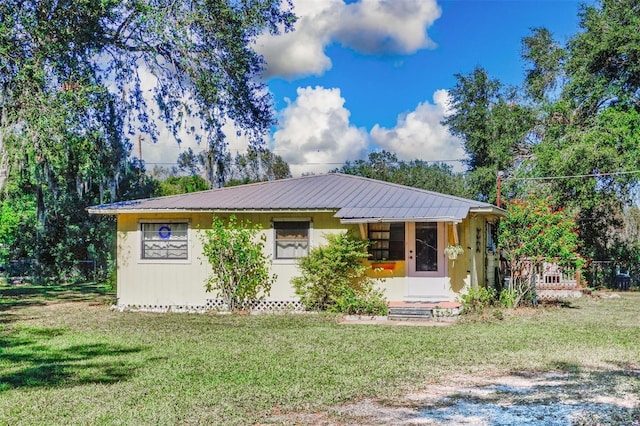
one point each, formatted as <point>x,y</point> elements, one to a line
<point>410,242</point>
<point>426,285</point>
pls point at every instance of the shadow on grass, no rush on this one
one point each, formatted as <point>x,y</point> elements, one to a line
<point>559,303</point>
<point>567,367</point>
<point>568,394</point>
<point>577,376</point>
<point>27,294</point>
<point>29,359</point>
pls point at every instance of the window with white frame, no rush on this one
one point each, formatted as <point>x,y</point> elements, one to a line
<point>291,238</point>
<point>165,240</point>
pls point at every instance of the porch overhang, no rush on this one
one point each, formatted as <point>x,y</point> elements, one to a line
<point>399,219</point>
<point>402,214</point>
<point>450,214</point>
<point>489,211</point>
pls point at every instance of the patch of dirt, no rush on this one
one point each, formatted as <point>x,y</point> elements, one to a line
<point>554,399</point>
<point>409,323</point>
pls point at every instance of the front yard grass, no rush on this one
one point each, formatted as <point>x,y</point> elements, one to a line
<point>76,362</point>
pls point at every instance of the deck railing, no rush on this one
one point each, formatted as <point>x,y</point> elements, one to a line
<point>554,276</point>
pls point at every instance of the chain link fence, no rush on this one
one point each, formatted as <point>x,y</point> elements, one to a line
<point>85,270</point>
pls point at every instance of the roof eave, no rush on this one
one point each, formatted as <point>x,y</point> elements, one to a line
<point>203,210</point>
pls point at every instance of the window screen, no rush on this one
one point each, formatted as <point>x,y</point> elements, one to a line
<point>165,240</point>
<point>292,239</point>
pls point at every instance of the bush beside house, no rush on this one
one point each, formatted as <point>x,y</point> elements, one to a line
<point>334,278</point>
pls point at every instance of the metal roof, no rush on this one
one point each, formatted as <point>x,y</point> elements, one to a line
<point>354,198</point>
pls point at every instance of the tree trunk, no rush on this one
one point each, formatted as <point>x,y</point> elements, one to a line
<point>4,157</point>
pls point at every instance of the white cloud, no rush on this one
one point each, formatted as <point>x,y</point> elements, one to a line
<point>419,134</point>
<point>301,52</point>
<point>315,135</point>
<point>387,26</point>
<point>367,26</point>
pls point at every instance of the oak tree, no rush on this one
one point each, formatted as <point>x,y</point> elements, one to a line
<point>78,78</point>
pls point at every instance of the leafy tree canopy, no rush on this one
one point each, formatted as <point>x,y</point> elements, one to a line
<point>256,165</point>
<point>174,185</point>
<point>546,58</point>
<point>76,77</point>
<point>570,133</point>
<point>195,55</point>
<point>385,166</point>
<point>604,59</point>
<point>494,126</point>
<point>590,130</point>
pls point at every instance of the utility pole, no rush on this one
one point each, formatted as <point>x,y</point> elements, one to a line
<point>499,187</point>
<point>140,139</point>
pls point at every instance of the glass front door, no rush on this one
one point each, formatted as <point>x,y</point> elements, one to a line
<point>425,245</point>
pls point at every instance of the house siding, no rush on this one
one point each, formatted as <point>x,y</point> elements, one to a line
<point>182,283</point>
<point>160,283</point>
<point>163,284</point>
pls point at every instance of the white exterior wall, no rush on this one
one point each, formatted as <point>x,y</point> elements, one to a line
<point>162,283</point>
<point>153,283</point>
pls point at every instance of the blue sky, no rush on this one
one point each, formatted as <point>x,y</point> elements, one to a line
<point>372,74</point>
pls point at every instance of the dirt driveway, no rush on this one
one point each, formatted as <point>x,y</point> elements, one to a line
<point>603,397</point>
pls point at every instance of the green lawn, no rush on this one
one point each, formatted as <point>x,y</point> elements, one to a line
<point>73,361</point>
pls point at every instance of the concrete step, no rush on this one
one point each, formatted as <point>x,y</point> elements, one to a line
<point>423,311</point>
<point>410,313</point>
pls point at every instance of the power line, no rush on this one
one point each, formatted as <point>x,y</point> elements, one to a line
<point>324,163</point>
<point>572,176</point>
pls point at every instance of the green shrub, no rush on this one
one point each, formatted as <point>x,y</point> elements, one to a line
<point>369,302</point>
<point>534,232</point>
<point>498,314</point>
<point>240,267</point>
<point>507,298</point>
<point>111,280</point>
<point>478,299</point>
<point>333,278</point>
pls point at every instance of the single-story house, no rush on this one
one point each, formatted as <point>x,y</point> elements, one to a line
<point>160,265</point>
